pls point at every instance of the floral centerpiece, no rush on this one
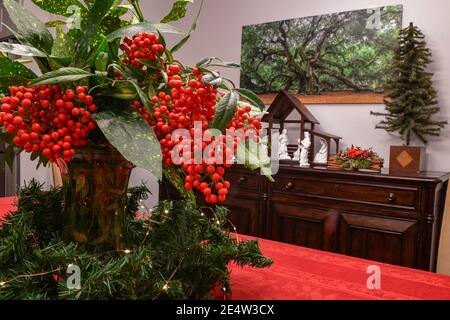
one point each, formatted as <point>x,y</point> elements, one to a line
<point>358,158</point>
<point>110,97</point>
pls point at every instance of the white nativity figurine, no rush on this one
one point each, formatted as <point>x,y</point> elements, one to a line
<point>304,153</point>
<point>296,156</point>
<point>322,155</point>
<point>283,146</point>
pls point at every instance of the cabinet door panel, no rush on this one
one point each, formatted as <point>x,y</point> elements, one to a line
<point>379,239</point>
<point>244,215</point>
<point>305,226</point>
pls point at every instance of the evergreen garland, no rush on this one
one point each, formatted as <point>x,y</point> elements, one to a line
<point>178,252</point>
<point>409,95</point>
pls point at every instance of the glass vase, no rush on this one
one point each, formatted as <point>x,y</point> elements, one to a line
<point>95,186</point>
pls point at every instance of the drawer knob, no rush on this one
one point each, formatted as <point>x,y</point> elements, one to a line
<point>241,179</point>
<point>391,197</point>
<point>289,186</point>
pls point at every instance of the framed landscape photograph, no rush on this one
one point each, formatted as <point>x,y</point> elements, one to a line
<point>332,58</point>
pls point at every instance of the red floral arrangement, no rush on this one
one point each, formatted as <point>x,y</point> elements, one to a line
<point>359,158</point>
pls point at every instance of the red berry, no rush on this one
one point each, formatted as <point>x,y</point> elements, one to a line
<point>75,112</point>
<point>17,120</point>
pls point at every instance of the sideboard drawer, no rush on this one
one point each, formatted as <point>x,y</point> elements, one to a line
<point>400,197</point>
<point>243,180</point>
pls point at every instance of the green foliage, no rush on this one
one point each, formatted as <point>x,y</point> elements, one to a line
<point>130,134</point>
<point>90,25</point>
<point>252,98</point>
<point>179,252</point>
<point>409,94</point>
<point>13,73</point>
<point>62,75</point>
<point>32,31</point>
<point>58,6</point>
<point>21,50</point>
<point>177,12</point>
<point>143,27</point>
<point>225,110</point>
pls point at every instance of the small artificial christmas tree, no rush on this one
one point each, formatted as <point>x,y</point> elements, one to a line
<point>409,95</point>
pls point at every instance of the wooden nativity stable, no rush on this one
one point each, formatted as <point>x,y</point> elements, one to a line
<point>277,117</point>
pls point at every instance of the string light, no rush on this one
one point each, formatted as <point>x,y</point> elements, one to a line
<point>127,251</point>
<point>165,287</point>
<point>2,284</point>
<point>166,211</point>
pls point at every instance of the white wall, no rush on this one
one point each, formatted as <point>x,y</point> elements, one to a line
<point>219,34</point>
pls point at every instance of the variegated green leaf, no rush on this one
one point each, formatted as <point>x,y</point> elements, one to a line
<point>128,132</point>
<point>177,12</point>
<point>32,30</point>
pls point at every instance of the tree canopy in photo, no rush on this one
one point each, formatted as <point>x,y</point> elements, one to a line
<point>347,51</point>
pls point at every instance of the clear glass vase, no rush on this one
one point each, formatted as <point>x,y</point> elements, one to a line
<point>95,186</point>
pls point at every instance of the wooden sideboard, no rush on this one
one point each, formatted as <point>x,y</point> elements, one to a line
<point>380,217</point>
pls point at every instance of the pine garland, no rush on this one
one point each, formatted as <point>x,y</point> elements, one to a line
<point>179,252</point>
<point>409,95</point>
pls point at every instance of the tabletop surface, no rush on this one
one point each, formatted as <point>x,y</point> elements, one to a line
<point>303,273</point>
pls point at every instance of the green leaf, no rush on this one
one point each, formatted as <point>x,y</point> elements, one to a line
<point>254,158</point>
<point>90,26</point>
<point>62,51</point>
<point>10,67</point>
<point>55,23</point>
<point>216,62</point>
<point>102,47</point>
<point>63,45</point>
<point>143,27</point>
<point>169,56</point>
<point>58,6</point>
<point>142,95</point>
<point>252,98</point>
<point>177,12</point>
<point>134,73</point>
<point>62,75</point>
<point>225,110</point>
<point>7,81</point>
<point>32,30</point>
<point>133,138</point>
<point>191,31</point>
<point>154,65</point>
<point>13,73</point>
<point>21,50</point>
<point>10,155</point>
<point>123,92</point>
<point>101,62</point>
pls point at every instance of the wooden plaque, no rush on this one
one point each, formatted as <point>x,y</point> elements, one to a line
<point>406,160</point>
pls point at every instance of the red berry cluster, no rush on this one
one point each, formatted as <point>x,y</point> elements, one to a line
<point>47,119</point>
<point>184,102</point>
<point>142,46</point>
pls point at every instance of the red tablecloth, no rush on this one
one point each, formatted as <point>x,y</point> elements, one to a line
<point>302,273</point>
<point>6,205</point>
